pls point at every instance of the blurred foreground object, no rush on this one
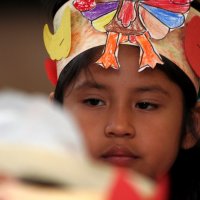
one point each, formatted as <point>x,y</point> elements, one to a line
<point>40,142</point>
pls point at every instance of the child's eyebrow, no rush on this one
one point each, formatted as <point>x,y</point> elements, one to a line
<point>151,88</point>
<point>89,84</point>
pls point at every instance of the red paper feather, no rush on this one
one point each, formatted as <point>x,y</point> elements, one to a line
<point>122,190</point>
<point>179,6</point>
<point>51,70</point>
<point>192,44</point>
<point>162,189</point>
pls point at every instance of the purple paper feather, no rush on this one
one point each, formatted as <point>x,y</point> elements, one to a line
<point>100,10</point>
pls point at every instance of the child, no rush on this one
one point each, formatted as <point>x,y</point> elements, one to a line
<point>137,102</point>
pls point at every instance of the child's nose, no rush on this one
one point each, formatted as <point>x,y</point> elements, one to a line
<point>120,124</point>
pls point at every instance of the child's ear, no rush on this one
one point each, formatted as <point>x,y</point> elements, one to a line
<point>193,128</point>
<point>51,96</point>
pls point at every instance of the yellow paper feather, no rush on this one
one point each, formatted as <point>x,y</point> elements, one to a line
<point>100,23</point>
<point>58,45</point>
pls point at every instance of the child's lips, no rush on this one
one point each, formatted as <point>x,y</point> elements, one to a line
<point>119,156</point>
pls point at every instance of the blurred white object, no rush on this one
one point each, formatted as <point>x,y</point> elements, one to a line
<point>34,120</point>
<point>39,140</point>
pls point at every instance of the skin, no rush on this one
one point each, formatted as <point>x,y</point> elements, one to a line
<point>129,118</point>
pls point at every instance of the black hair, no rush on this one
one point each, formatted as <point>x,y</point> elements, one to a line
<point>185,175</point>
<point>52,6</point>
<point>70,72</point>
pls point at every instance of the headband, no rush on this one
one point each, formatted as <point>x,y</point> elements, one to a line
<point>157,27</point>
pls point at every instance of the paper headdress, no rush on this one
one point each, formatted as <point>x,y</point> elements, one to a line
<point>154,26</point>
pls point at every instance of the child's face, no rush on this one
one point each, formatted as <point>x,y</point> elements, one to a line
<point>129,118</point>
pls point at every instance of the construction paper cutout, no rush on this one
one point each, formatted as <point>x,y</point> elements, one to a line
<point>170,19</point>
<point>179,6</point>
<point>122,190</point>
<point>192,44</point>
<point>59,44</point>
<point>162,189</point>
<point>128,21</point>
<point>181,1</point>
<point>130,25</point>
<point>51,70</point>
<point>110,56</point>
<point>151,23</point>
<point>100,23</point>
<point>84,5</point>
<point>127,13</point>
<point>125,24</point>
<point>148,56</point>
<point>100,10</point>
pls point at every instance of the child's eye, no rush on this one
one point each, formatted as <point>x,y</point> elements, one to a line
<point>94,102</point>
<point>146,106</point>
